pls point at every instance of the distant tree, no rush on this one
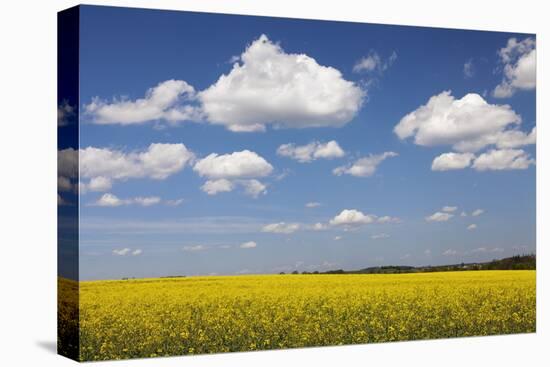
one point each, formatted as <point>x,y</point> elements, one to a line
<point>295,272</point>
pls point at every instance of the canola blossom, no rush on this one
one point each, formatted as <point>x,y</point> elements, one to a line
<point>214,314</point>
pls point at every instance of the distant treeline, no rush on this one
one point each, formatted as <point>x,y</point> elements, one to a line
<point>518,262</point>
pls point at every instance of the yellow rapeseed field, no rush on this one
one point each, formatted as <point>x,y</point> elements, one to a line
<point>175,316</point>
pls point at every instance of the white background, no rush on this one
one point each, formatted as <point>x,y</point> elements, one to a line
<point>28,182</point>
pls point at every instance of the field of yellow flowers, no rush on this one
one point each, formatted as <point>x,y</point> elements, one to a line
<point>175,316</point>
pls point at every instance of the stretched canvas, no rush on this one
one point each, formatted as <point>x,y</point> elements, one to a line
<point>233,183</point>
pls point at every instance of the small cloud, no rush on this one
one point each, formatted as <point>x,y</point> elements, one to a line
<point>428,252</point>
<point>439,217</point>
<point>174,202</point>
<point>137,252</point>
<point>373,62</point>
<point>122,252</point>
<point>213,187</point>
<point>405,257</point>
<point>449,209</point>
<point>463,214</point>
<point>319,226</point>
<point>352,217</point>
<point>110,200</point>
<point>253,188</point>
<point>146,201</point>
<point>379,236</point>
<point>471,227</point>
<point>249,244</point>
<point>477,212</point>
<point>450,252</point>
<point>469,69</point>
<point>194,248</point>
<point>337,238</point>
<point>61,201</point>
<point>312,151</point>
<point>66,114</point>
<point>388,219</point>
<point>313,204</point>
<point>281,227</point>
<point>364,167</point>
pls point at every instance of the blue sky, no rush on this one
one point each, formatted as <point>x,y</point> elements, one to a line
<point>377,193</point>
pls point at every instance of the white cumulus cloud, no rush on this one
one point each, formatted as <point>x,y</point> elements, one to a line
<point>243,164</point>
<point>270,86</point>
<point>352,217</point>
<point>452,161</point>
<point>519,62</point>
<point>227,171</point>
<point>158,162</point>
<point>213,187</point>
<point>503,159</point>
<point>99,183</point>
<point>468,124</point>
<point>439,217</point>
<point>253,188</point>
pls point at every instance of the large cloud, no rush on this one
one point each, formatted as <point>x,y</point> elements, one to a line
<point>226,171</point>
<point>519,60</point>
<point>312,151</point>
<point>163,102</point>
<point>157,162</point>
<point>467,124</point>
<point>270,86</point>
<point>364,167</point>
